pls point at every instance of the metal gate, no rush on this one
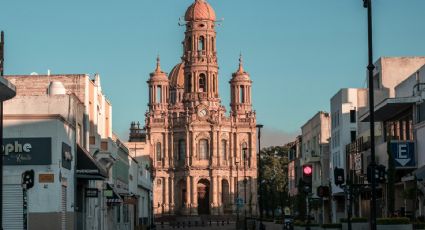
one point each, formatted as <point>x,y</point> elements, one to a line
<point>63,208</point>
<point>13,210</point>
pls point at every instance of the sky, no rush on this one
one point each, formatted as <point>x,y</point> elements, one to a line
<point>299,53</point>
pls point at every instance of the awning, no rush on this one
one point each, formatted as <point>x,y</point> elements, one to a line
<point>390,107</point>
<point>112,196</point>
<point>87,167</point>
<point>7,89</point>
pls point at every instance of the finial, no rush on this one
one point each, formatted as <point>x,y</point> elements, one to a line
<point>240,70</point>
<point>158,64</point>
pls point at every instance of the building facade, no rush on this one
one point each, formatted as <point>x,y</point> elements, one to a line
<point>200,155</point>
<point>316,152</point>
<point>344,107</point>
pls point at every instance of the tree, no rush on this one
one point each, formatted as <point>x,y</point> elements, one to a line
<point>274,167</point>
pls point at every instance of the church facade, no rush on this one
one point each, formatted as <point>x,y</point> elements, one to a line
<point>203,160</point>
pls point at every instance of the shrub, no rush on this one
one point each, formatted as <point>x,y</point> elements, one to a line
<point>419,226</point>
<point>393,221</point>
<point>355,220</point>
<point>331,225</point>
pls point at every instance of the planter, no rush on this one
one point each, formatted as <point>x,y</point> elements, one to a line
<point>356,226</point>
<point>394,227</point>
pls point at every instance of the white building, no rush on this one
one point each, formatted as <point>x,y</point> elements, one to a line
<point>315,151</point>
<point>344,106</point>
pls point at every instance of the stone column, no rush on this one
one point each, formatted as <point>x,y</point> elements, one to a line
<point>194,207</point>
<point>214,195</point>
<point>166,152</point>
<point>172,149</point>
<point>219,195</point>
<point>172,202</point>
<point>166,195</point>
<point>188,196</point>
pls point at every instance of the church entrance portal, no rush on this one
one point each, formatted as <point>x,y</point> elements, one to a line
<point>203,197</point>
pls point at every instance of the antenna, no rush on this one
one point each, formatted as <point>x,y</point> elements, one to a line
<point>1,53</point>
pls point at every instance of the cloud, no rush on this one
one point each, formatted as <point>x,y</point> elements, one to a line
<point>274,137</point>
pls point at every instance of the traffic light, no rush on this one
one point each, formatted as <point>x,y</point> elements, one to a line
<point>28,179</point>
<point>339,176</point>
<point>379,173</point>
<point>307,178</point>
<point>323,191</point>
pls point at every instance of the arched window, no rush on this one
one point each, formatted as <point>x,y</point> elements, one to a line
<point>202,83</point>
<point>158,152</point>
<point>214,84</point>
<point>201,45</point>
<point>181,148</point>
<point>244,151</point>
<point>241,94</point>
<point>158,94</point>
<point>224,150</point>
<point>189,44</point>
<point>203,149</point>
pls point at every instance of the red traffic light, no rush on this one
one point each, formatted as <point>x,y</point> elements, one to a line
<point>307,170</point>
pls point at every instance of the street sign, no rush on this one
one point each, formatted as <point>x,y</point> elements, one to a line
<point>403,153</point>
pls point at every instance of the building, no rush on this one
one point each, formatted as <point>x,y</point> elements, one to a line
<point>199,154</point>
<point>101,197</point>
<point>138,149</point>
<point>394,127</point>
<point>316,152</point>
<point>344,106</point>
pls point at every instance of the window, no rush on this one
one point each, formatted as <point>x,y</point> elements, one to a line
<point>188,83</point>
<point>158,94</point>
<point>421,112</point>
<point>202,83</point>
<point>224,149</point>
<point>242,94</point>
<point>189,44</point>
<point>244,151</point>
<point>203,149</point>
<point>353,116</point>
<point>212,44</point>
<point>181,150</point>
<point>201,45</point>
<point>158,152</point>
<point>353,135</point>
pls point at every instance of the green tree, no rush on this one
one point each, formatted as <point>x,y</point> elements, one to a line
<point>274,170</point>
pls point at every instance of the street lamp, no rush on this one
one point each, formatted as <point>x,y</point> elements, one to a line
<point>244,183</point>
<point>368,4</point>
<point>260,175</point>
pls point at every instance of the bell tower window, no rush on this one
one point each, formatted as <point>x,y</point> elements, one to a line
<point>201,45</point>
<point>188,83</point>
<point>202,83</point>
<point>158,94</point>
<point>241,94</point>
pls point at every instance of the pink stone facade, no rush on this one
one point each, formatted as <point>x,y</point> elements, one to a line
<point>201,156</point>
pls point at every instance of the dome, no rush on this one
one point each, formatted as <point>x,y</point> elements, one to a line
<point>200,10</point>
<point>158,74</point>
<point>177,76</point>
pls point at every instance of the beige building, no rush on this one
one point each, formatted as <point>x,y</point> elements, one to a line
<point>200,154</point>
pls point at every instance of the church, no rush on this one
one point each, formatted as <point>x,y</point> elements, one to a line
<point>203,158</point>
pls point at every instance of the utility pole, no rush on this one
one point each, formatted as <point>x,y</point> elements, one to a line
<point>368,4</point>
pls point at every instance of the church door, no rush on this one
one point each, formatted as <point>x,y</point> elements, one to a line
<point>203,197</point>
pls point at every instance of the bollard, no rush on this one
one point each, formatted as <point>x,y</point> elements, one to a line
<point>188,224</point>
<point>228,221</point>
<point>178,224</point>
<point>210,222</point>
<point>162,224</point>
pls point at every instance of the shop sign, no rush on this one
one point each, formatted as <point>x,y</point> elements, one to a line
<point>403,153</point>
<point>46,178</point>
<point>108,193</point>
<point>358,163</point>
<point>66,156</point>
<point>92,193</point>
<point>27,151</point>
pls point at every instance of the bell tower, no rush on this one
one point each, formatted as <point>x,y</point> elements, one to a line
<point>240,91</point>
<point>200,56</point>
<point>158,90</point>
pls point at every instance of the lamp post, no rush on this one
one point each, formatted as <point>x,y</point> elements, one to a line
<point>260,175</point>
<point>368,4</point>
<point>244,184</point>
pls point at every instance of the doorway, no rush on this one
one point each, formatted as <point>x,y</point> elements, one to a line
<point>203,197</point>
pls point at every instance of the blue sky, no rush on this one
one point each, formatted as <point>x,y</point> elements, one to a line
<point>299,52</point>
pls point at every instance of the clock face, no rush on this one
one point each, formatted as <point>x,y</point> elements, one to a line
<point>202,112</point>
